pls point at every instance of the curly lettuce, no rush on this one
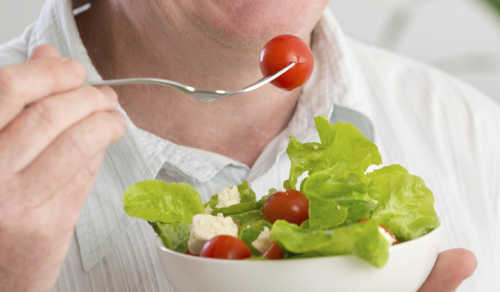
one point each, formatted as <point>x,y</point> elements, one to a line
<point>158,201</point>
<point>341,145</point>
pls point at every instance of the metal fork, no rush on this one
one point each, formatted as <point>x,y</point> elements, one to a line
<point>199,94</point>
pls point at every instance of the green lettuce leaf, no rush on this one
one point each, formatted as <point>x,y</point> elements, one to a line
<point>304,157</point>
<point>246,193</point>
<point>250,231</point>
<point>333,182</point>
<point>325,213</point>
<point>214,199</point>
<point>359,206</point>
<point>236,209</point>
<point>363,240</point>
<point>158,201</point>
<point>405,204</point>
<point>248,217</point>
<point>174,236</point>
<point>341,146</point>
<point>345,189</point>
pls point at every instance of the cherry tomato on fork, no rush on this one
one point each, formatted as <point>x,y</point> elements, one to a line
<point>290,205</point>
<point>279,53</point>
<point>225,247</point>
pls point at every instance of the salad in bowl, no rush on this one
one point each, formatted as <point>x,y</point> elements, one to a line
<point>329,206</point>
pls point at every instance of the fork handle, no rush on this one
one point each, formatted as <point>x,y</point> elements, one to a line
<point>145,81</point>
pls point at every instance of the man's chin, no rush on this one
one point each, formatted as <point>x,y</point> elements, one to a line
<point>248,41</point>
<point>251,26</point>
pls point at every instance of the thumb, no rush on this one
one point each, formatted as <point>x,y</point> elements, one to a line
<point>452,267</point>
<point>45,51</point>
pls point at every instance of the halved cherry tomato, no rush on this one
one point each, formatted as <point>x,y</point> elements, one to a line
<point>225,247</point>
<point>279,53</point>
<point>189,253</point>
<point>274,252</point>
<point>291,206</point>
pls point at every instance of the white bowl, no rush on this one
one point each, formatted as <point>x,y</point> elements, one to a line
<point>408,266</point>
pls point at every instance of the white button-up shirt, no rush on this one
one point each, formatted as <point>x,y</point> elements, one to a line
<point>434,125</point>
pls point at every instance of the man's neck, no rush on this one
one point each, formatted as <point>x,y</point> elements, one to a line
<point>142,40</point>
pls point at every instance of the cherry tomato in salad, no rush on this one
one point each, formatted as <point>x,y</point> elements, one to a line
<point>225,247</point>
<point>279,53</point>
<point>274,252</point>
<point>290,205</point>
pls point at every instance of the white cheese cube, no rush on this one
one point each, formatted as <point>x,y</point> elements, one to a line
<point>228,197</point>
<point>205,227</point>
<point>263,241</point>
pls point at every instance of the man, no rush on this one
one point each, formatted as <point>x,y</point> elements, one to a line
<point>54,132</point>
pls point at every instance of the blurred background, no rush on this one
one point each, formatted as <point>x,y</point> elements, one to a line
<point>461,37</point>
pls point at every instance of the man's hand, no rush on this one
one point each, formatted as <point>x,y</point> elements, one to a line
<point>53,135</point>
<point>451,269</point>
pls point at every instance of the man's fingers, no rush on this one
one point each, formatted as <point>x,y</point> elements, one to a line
<point>28,82</point>
<point>45,51</point>
<point>69,154</point>
<point>69,200</point>
<point>49,228</point>
<point>451,269</point>
<point>34,129</point>
<point>72,197</point>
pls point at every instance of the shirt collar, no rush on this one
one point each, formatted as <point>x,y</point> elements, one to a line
<point>194,164</point>
<point>335,80</point>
